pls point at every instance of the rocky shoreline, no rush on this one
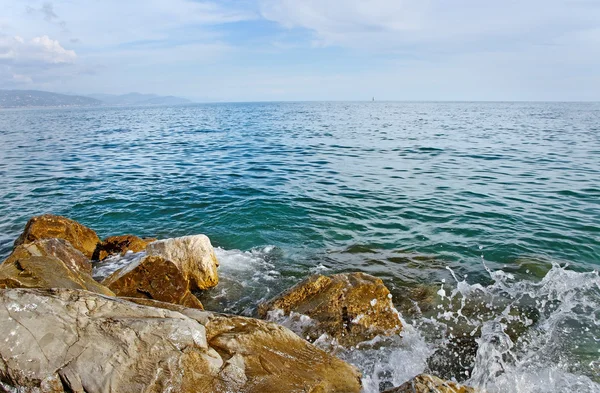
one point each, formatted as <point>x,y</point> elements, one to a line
<point>143,329</point>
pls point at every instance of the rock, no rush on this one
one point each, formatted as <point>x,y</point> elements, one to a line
<point>120,245</point>
<point>152,278</point>
<point>58,248</point>
<point>455,359</point>
<point>76,341</point>
<point>350,307</point>
<point>274,359</point>
<point>193,255</point>
<point>45,272</point>
<point>429,384</point>
<point>48,226</point>
<point>417,300</point>
<point>265,351</point>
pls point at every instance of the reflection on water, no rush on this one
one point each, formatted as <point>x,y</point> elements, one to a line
<point>399,190</point>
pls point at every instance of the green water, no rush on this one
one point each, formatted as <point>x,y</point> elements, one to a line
<point>373,186</point>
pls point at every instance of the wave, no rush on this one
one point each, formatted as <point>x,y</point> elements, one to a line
<point>522,335</point>
<point>514,335</point>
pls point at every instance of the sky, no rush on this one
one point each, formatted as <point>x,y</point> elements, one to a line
<point>280,50</point>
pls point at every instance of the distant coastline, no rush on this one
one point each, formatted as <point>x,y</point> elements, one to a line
<point>44,99</point>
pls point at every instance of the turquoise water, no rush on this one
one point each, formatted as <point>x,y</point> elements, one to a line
<point>338,183</point>
<point>410,192</point>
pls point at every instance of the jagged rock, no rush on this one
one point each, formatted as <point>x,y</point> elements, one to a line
<point>58,248</point>
<point>153,278</point>
<point>46,272</point>
<point>350,307</point>
<point>264,350</point>
<point>82,342</point>
<point>429,384</point>
<point>193,255</point>
<point>120,245</point>
<point>274,359</point>
<point>76,341</point>
<point>48,226</point>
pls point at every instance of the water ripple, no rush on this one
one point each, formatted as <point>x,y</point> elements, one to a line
<point>345,184</point>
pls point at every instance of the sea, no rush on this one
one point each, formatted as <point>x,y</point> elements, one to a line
<point>482,218</point>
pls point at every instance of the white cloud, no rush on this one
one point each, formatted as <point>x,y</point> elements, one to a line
<point>409,49</point>
<point>390,24</point>
<point>105,23</point>
<point>26,61</point>
<point>42,50</point>
<point>110,36</point>
<point>334,20</point>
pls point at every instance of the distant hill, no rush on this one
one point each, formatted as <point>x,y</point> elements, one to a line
<point>35,98</point>
<point>139,99</point>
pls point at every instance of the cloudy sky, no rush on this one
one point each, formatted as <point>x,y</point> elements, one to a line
<point>247,50</point>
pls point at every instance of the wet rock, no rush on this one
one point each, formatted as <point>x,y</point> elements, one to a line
<point>75,341</point>
<point>274,359</point>
<point>49,226</point>
<point>114,245</point>
<point>350,307</point>
<point>417,300</point>
<point>152,278</point>
<point>429,384</point>
<point>193,255</point>
<point>58,248</point>
<point>456,358</point>
<point>46,272</point>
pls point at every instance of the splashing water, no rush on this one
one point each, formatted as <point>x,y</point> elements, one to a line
<point>246,279</point>
<point>108,266</point>
<point>546,336</point>
<point>521,336</point>
<point>534,335</point>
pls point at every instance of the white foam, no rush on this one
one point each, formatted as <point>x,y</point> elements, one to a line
<point>389,361</point>
<point>559,318</point>
<point>246,279</point>
<point>296,322</point>
<point>543,359</point>
<point>382,360</point>
<point>105,268</point>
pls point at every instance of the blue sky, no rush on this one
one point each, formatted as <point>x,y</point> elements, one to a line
<point>258,50</point>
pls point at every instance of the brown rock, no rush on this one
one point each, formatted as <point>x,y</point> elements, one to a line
<point>273,359</point>
<point>120,245</point>
<point>429,384</point>
<point>351,307</point>
<point>76,341</point>
<point>58,248</point>
<point>268,357</point>
<point>191,301</point>
<point>193,255</point>
<point>152,278</point>
<point>48,226</point>
<point>420,299</point>
<point>46,272</point>
<point>194,313</point>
